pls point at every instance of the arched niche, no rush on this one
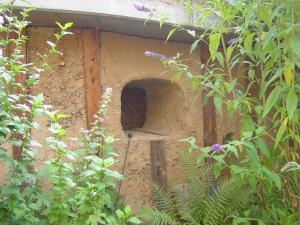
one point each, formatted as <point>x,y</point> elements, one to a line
<point>153,106</point>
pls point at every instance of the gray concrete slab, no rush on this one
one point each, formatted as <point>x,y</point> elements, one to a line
<point>110,15</point>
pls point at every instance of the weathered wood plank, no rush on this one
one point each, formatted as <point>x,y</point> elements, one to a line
<point>158,162</point>
<point>91,45</point>
<point>20,78</point>
<point>209,111</point>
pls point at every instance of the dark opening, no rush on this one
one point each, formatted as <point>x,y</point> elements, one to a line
<point>133,107</point>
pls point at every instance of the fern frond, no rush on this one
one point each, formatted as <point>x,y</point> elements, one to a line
<point>202,200</point>
<point>207,172</point>
<point>180,194</point>
<point>163,201</point>
<point>229,196</point>
<point>155,217</point>
<point>188,164</point>
<point>197,194</point>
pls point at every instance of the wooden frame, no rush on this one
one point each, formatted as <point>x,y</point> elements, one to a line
<point>209,110</point>
<point>91,46</point>
<point>158,163</point>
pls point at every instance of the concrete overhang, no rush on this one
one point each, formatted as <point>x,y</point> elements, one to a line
<point>110,15</point>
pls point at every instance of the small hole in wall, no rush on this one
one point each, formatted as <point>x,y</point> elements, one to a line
<point>133,105</point>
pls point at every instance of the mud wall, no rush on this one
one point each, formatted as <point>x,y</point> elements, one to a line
<point>122,61</point>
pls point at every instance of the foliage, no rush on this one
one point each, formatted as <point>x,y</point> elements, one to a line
<point>252,73</point>
<point>201,200</point>
<point>81,185</point>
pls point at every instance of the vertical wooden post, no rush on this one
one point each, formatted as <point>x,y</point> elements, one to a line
<point>158,159</point>
<point>209,111</point>
<point>20,78</point>
<point>91,46</point>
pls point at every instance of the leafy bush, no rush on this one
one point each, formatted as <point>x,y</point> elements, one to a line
<point>201,200</point>
<point>82,185</point>
<point>252,72</point>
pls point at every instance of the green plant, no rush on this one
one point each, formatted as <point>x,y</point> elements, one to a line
<point>251,73</point>
<point>82,185</point>
<point>83,188</point>
<point>200,200</point>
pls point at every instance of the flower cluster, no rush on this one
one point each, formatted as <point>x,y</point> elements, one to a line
<point>142,8</point>
<point>216,148</point>
<point>155,55</point>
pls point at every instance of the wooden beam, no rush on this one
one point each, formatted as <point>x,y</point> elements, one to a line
<point>20,78</point>
<point>209,111</point>
<point>158,160</point>
<point>91,46</point>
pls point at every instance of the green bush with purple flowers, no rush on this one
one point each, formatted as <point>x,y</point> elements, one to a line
<point>252,73</point>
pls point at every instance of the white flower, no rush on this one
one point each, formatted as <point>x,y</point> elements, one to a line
<point>108,90</point>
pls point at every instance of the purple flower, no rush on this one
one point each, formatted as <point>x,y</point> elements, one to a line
<point>155,55</point>
<point>226,2</point>
<point>216,148</point>
<point>142,8</point>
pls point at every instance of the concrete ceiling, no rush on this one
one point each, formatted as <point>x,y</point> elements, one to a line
<point>128,26</point>
<point>111,15</point>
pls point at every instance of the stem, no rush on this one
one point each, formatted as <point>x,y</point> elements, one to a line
<point>227,61</point>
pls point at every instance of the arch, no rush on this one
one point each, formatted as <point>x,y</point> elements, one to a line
<point>153,105</point>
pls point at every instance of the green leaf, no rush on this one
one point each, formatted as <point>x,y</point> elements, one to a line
<point>272,99</point>
<point>295,44</point>
<point>218,103</point>
<point>272,177</point>
<point>291,102</point>
<point>194,45</point>
<point>261,222</point>
<point>220,58</point>
<point>252,154</point>
<point>134,220</point>
<point>234,150</point>
<point>247,134</point>
<point>88,173</point>
<point>217,169</point>
<point>281,131</point>
<point>247,125</point>
<point>109,140</point>
<point>248,42</point>
<point>127,209</point>
<point>161,21</point>
<point>261,144</point>
<point>214,41</point>
<point>68,25</point>
<point>171,32</point>
<point>119,213</point>
<point>59,25</point>
<point>288,74</point>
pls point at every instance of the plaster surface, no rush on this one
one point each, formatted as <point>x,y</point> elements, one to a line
<point>122,61</point>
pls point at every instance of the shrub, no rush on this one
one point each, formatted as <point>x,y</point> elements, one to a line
<point>200,200</point>
<point>82,185</point>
